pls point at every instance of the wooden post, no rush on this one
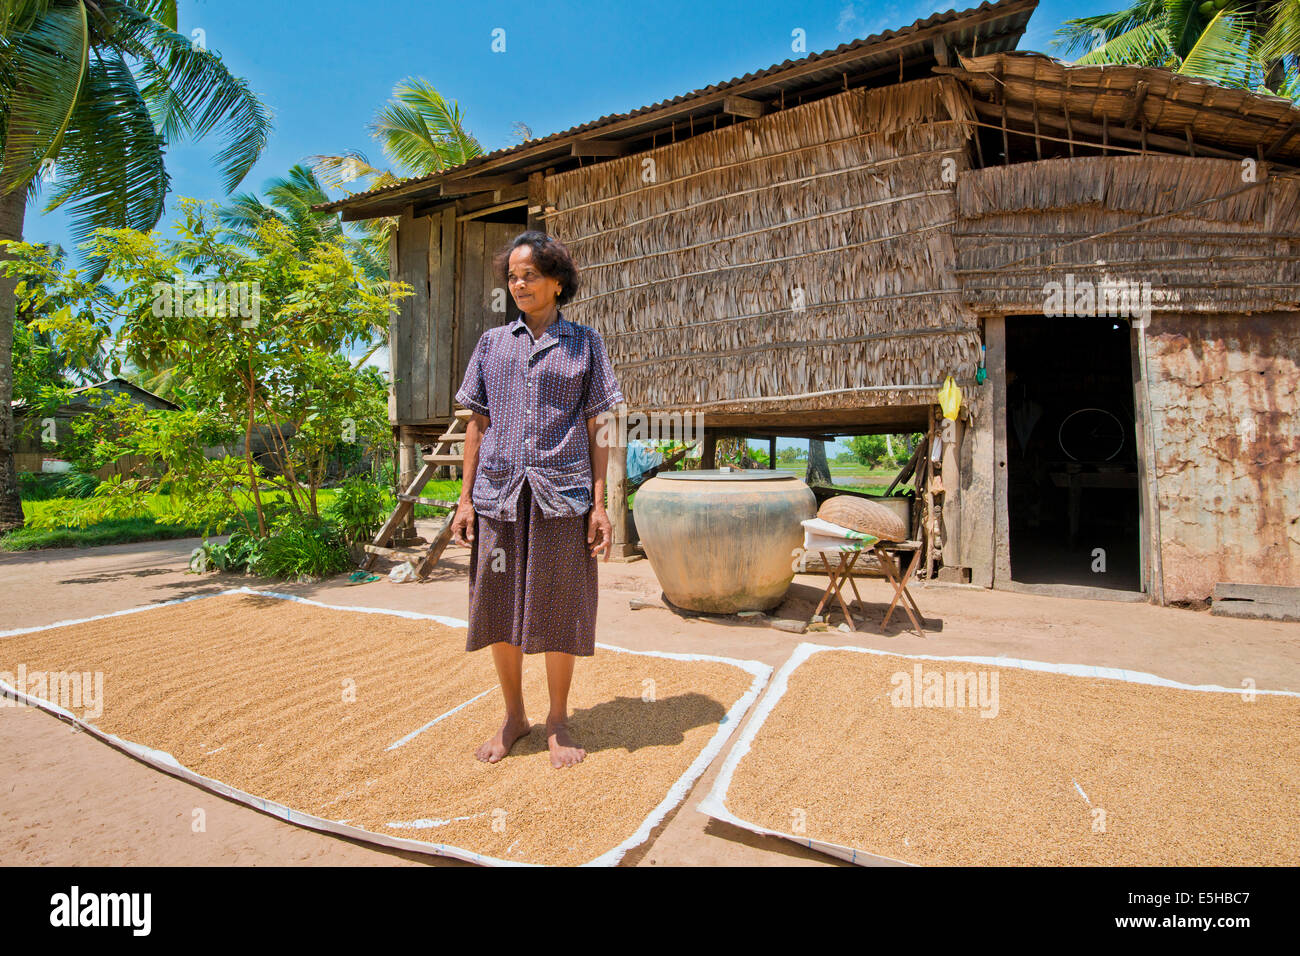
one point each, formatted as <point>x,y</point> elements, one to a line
<point>709,454</point>
<point>410,461</point>
<point>616,493</point>
<point>771,453</point>
<point>1150,558</point>
<point>977,466</point>
<point>536,202</point>
<point>950,471</point>
<point>996,361</point>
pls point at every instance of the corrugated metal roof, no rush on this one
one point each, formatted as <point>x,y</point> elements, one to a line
<point>995,34</point>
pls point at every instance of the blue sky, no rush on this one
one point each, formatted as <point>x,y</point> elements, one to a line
<point>325,68</point>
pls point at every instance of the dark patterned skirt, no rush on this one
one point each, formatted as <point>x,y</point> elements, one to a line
<point>532,582</point>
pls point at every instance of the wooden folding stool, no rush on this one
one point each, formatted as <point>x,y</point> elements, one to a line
<point>838,575</point>
<point>888,551</point>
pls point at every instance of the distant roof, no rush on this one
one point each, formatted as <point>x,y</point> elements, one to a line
<point>121,384</point>
<point>988,28</point>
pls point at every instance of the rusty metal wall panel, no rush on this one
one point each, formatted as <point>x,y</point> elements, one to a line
<point>1225,402</point>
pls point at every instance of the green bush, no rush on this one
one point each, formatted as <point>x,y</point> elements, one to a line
<point>360,507</point>
<point>44,486</point>
<point>295,546</point>
<point>240,553</point>
<point>74,484</point>
<point>304,546</point>
<point>36,486</point>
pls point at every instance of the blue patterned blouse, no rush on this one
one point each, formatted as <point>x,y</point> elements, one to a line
<point>538,395</point>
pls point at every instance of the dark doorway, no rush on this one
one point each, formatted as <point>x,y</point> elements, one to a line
<point>1072,497</point>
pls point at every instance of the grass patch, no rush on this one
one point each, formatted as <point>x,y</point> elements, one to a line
<point>128,530</point>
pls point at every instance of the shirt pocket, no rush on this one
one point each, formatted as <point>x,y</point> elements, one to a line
<point>573,482</point>
<point>489,483</point>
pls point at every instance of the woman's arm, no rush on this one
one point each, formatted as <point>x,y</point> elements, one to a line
<point>599,530</point>
<point>462,526</point>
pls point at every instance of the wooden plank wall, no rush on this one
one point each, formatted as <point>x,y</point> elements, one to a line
<point>470,308</point>
<point>482,304</point>
<point>410,343</point>
<point>394,332</point>
<point>421,334</point>
<point>442,280</point>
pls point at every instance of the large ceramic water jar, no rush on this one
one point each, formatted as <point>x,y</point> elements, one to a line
<point>723,541</point>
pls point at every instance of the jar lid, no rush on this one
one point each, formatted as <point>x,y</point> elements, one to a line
<point>718,474</point>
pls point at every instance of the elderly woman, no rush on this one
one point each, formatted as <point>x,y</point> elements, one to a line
<point>533,499</point>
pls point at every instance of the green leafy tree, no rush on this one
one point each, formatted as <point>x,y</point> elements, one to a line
<point>867,450</point>
<point>257,329</point>
<point>91,93</point>
<point>44,373</point>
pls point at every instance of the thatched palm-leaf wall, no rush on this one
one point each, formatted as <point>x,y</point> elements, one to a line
<point>695,254</point>
<point>1204,235</point>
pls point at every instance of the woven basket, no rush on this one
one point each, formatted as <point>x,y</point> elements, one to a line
<point>860,514</point>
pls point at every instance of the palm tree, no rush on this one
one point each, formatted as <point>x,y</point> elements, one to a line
<point>1253,44</point>
<point>420,131</point>
<point>93,90</point>
<point>289,201</point>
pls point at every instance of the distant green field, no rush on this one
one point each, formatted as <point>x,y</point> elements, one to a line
<point>122,531</point>
<point>858,477</point>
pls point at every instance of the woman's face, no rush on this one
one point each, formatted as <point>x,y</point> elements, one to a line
<point>532,291</point>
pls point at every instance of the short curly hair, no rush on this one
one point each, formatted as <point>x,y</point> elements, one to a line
<point>551,258</point>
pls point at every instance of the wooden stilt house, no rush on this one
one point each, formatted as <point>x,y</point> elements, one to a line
<point>810,250</point>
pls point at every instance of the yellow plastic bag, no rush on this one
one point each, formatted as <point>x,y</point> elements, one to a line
<point>950,398</point>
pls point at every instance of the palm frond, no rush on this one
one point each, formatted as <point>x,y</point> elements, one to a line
<point>1184,23</point>
<point>335,171</point>
<point>17,16</point>
<point>1082,33</point>
<point>192,92</point>
<point>1144,45</point>
<point>1282,38</point>
<point>422,131</point>
<point>48,68</point>
<point>164,11</point>
<point>111,162</point>
<point>1222,52</point>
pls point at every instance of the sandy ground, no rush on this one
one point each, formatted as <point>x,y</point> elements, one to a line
<point>67,798</point>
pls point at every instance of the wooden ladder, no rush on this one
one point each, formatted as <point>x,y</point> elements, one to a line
<point>407,500</point>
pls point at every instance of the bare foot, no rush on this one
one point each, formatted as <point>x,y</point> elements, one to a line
<point>565,751</point>
<point>493,750</point>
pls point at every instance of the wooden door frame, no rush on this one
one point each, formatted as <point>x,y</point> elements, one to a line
<point>1148,531</point>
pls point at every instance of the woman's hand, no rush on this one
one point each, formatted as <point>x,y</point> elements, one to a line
<point>599,530</point>
<point>462,526</point>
